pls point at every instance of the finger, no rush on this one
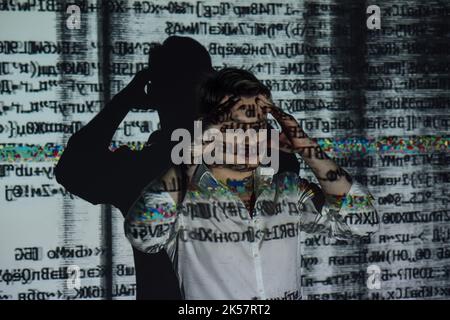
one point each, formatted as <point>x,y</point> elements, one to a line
<point>264,98</point>
<point>277,112</point>
<point>288,123</point>
<point>226,106</point>
<point>226,99</point>
<point>235,125</point>
<point>220,113</point>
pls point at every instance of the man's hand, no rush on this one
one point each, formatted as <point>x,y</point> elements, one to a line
<point>221,112</point>
<point>134,93</point>
<point>334,180</point>
<point>293,138</point>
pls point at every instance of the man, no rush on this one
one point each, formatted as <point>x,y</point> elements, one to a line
<point>234,233</point>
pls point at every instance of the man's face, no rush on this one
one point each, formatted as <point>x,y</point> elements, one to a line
<point>241,139</point>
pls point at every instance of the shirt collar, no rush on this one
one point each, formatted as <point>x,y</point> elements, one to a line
<point>204,179</point>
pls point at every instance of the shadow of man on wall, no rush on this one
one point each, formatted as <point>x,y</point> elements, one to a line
<point>89,169</point>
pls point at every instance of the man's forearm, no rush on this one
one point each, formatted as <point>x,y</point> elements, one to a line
<point>332,178</point>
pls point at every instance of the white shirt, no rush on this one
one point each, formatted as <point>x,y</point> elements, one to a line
<point>220,252</point>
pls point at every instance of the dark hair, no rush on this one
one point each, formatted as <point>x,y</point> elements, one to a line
<point>228,81</point>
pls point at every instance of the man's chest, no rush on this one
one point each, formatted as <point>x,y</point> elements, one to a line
<point>222,213</point>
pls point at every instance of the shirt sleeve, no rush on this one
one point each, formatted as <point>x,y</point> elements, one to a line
<point>343,218</point>
<point>150,223</point>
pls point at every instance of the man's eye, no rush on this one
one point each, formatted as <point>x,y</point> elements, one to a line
<point>242,108</point>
